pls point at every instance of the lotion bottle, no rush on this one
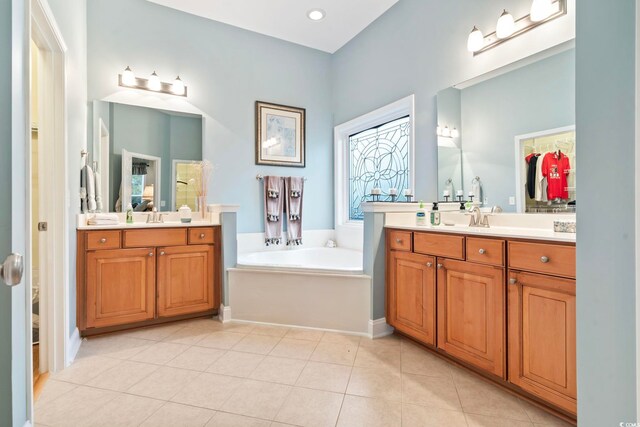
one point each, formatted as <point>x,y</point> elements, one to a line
<point>421,215</point>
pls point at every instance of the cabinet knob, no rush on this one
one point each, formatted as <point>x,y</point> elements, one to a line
<point>429,264</point>
<point>150,254</point>
<point>103,240</point>
<point>202,235</point>
<point>440,266</point>
<point>482,251</point>
<point>161,253</point>
<point>513,281</point>
<point>398,240</point>
<point>544,259</point>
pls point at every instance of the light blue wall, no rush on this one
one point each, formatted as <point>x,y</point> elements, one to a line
<point>154,133</point>
<point>537,97</point>
<point>605,119</point>
<point>226,69</point>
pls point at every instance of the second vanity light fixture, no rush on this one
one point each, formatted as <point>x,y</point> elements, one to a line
<point>542,11</point>
<point>447,132</point>
<point>153,83</point>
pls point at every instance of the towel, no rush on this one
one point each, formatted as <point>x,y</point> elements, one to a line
<point>273,209</point>
<point>103,219</point>
<point>98,190</point>
<point>294,187</point>
<point>88,184</point>
<point>83,190</point>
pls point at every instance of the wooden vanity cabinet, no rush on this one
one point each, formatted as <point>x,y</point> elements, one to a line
<point>137,277</point>
<point>471,314</point>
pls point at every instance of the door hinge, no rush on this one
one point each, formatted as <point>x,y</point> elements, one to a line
<point>42,226</point>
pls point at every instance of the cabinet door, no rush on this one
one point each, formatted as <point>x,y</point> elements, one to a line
<point>542,337</point>
<point>471,314</point>
<point>120,287</point>
<point>185,280</point>
<point>412,295</point>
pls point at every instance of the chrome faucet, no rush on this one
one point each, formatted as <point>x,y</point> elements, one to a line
<point>477,219</point>
<point>155,217</point>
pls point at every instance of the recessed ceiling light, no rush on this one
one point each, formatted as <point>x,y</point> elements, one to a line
<point>316,14</point>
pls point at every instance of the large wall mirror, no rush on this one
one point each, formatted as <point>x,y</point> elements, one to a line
<point>147,157</point>
<point>512,137</point>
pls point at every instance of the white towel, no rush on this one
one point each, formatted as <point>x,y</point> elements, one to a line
<point>89,182</point>
<point>98,190</point>
<point>104,219</point>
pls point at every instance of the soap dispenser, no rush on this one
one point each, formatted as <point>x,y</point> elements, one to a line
<point>435,214</point>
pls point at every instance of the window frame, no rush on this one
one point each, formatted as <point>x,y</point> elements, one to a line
<point>396,110</point>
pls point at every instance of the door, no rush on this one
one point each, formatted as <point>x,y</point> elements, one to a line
<point>412,295</point>
<point>15,320</point>
<point>542,337</point>
<point>471,314</point>
<point>120,286</point>
<point>185,280</point>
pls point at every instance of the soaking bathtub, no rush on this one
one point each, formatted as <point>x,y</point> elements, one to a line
<point>323,288</point>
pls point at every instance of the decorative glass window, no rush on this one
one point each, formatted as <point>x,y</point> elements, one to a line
<point>378,158</point>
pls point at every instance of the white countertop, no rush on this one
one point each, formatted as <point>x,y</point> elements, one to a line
<point>512,226</point>
<point>168,224</point>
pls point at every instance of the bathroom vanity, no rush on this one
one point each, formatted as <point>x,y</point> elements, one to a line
<point>129,277</point>
<point>498,302</point>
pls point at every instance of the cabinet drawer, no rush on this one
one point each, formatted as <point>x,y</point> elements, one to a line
<point>442,245</point>
<point>155,237</point>
<point>104,239</point>
<point>400,240</point>
<point>486,251</point>
<point>543,258</point>
<point>201,236</point>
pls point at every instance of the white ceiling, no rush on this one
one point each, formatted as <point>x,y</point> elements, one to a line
<point>287,19</point>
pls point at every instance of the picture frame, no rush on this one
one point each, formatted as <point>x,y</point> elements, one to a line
<point>280,135</point>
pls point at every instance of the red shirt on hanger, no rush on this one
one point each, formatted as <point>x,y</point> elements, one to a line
<point>555,167</point>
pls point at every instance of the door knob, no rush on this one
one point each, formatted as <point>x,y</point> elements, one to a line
<point>150,254</point>
<point>11,269</point>
<point>481,251</point>
<point>103,240</point>
<point>440,266</point>
<point>202,235</point>
<point>513,281</point>
<point>544,259</point>
<point>429,264</point>
<point>162,253</point>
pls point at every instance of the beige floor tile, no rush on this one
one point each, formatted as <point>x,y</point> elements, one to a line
<point>430,391</point>
<point>294,349</point>
<point>486,421</point>
<point>52,390</point>
<point>160,353</point>
<point>209,324</point>
<point>236,364</point>
<point>385,356</point>
<point>187,336</point>
<point>325,376</point>
<point>257,399</point>
<point>328,352</point>
<point>196,358</point>
<point>278,370</point>
<point>237,327</point>
<point>304,334</point>
<point>122,376</point>
<point>420,362</point>
<point>276,424</point>
<point>223,419</point>
<point>270,330</point>
<point>338,338</point>
<point>258,344</point>
<point>389,340</point>
<point>125,410</point>
<point>154,333</point>
<point>85,369</point>
<point>221,340</point>
<point>116,346</point>
<point>375,382</point>
<point>465,378</point>
<point>73,408</point>
<point>164,383</point>
<point>366,412</point>
<point>312,408</point>
<point>538,416</point>
<point>176,415</point>
<point>208,391</point>
<point>487,399</point>
<point>421,416</point>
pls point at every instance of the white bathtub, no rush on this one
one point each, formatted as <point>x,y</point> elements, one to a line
<point>336,260</point>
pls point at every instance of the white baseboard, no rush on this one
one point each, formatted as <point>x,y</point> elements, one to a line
<point>284,325</point>
<point>224,314</point>
<point>73,346</point>
<point>379,328</point>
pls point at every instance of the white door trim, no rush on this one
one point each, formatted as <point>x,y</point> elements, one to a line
<point>637,208</point>
<point>53,137</point>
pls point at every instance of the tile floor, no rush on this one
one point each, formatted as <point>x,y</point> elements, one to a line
<point>204,373</point>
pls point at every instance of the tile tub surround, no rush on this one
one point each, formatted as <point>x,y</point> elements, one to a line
<point>292,381</point>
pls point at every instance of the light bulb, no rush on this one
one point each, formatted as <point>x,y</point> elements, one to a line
<point>446,132</point>
<point>128,78</point>
<point>316,14</point>
<point>455,133</point>
<point>475,41</point>
<point>541,10</point>
<point>506,25</point>
<point>177,87</point>
<point>154,82</point>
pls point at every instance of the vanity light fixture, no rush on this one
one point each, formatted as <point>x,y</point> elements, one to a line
<point>129,80</point>
<point>447,132</point>
<point>316,14</point>
<point>542,11</point>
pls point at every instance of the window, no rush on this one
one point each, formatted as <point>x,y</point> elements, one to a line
<point>137,188</point>
<point>378,158</point>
